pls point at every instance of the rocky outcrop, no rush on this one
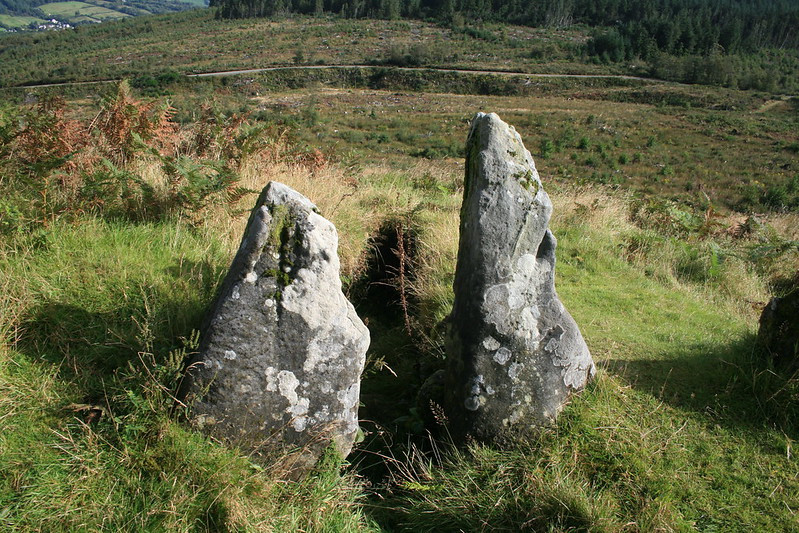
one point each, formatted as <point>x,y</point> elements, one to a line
<point>778,335</point>
<point>514,353</point>
<point>278,369</point>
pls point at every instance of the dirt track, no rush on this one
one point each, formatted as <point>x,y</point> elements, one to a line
<point>322,67</point>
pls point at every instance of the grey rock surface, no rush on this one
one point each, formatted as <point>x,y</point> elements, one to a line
<point>279,365</point>
<point>515,355</point>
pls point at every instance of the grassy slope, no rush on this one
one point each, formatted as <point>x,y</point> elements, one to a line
<point>672,436</point>
<point>71,10</point>
<point>669,436</point>
<point>196,42</point>
<point>708,152</point>
<point>18,21</point>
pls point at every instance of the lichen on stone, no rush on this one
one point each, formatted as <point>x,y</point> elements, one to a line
<point>507,333</point>
<point>282,340</point>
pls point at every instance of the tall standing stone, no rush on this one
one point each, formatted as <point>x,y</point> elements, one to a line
<point>279,365</point>
<point>515,354</point>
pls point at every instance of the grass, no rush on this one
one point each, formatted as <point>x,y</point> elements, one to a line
<point>682,430</point>
<point>18,21</point>
<point>151,45</point>
<point>608,135</point>
<point>69,10</point>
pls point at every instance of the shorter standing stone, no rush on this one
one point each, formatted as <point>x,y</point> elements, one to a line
<point>514,353</point>
<point>279,365</point>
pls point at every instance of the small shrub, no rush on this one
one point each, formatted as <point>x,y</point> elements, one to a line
<point>547,148</point>
<point>783,196</point>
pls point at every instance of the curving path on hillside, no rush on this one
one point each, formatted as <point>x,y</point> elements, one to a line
<point>325,67</point>
<point>437,69</point>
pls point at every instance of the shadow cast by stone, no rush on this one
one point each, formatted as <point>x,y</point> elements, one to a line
<point>90,345</point>
<point>720,383</point>
<point>83,343</point>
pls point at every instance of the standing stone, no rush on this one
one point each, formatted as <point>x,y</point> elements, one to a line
<point>278,369</point>
<point>515,354</point>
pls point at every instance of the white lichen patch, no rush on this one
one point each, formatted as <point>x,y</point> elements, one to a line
<point>491,344</point>
<point>472,403</point>
<point>349,397</point>
<point>251,277</point>
<point>235,294</point>
<point>271,379</point>
<point>204,421</point>
<point>320,350</point>
<point>475,399</point>
<point>287,384</point>
<point>515,369</point>
<point>230,355</point>
<point>299,410</point>
<point>495,305</point>
<point>574,375</point>
<point>526,263</point>
<point>322,415</point>
<point>528,323</point>
<point>321,285</point>
<point>552,345</point>
<point>502,355</point>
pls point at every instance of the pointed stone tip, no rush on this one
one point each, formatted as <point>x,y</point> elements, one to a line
<point>490,133</point>
<point>278,193</point>
<point>481,117</point>
<point>492,125</point>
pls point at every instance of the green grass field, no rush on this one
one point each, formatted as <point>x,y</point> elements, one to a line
<point>75,10</point>
<point>13,21</point>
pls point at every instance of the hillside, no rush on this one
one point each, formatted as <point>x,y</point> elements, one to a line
<point>138,46</point>
<point>121,206</point>
<point>24,15</point>
<point>154,45</point>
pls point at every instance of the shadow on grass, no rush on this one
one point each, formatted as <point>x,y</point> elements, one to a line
<point>89,345</point>
<point>723,382</point>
